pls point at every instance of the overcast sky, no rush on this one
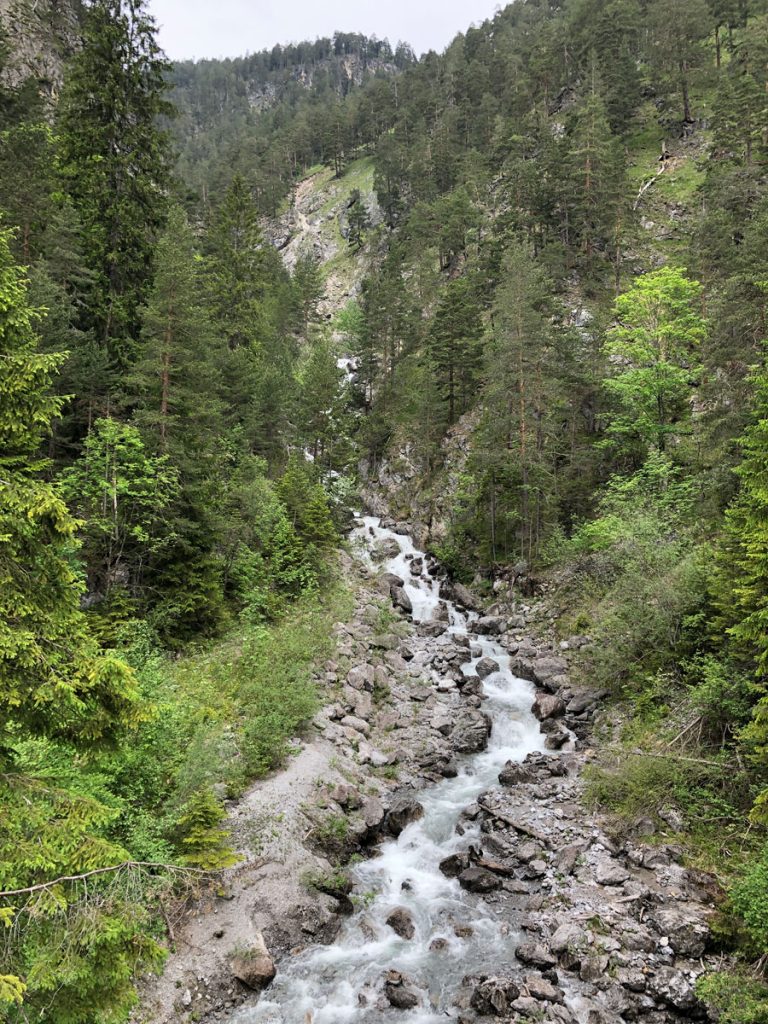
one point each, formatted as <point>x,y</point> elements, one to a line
<point>230,28</point>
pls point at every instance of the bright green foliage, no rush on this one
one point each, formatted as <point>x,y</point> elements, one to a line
<point>322,405</point>
<point>53,679</point>
<point>737,998</point>
<point>306,503</point>
<point>646,570</point>
<point>203,843</point>
<point>655,352</point>
<point>749,900</point>
<point>121,492</point>
<point>116,164</point>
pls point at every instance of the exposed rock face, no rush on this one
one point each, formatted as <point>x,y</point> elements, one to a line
<point>42,35</point>
<point>255,967</point>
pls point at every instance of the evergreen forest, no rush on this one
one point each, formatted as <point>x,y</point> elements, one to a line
<point>553,258</point>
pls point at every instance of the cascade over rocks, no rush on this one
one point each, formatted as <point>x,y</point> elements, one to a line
<point>620,926</point>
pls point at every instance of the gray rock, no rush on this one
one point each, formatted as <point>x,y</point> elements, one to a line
<point>486,667</point>
<point>568,938</point>
<point>373,812</point>
<point>401,922</point>
<point>673,988</point>
<point>361,677</point>
<point>542,990</point>
<point>401,600</point>
<point>255,967</point>
<point>547,706</point>
<point>358,724</point>
<point>609,872</point>
<point>490,624</point>
<point>453,866</point>
<point>471,732</point>
<point>535,954</point>
<point>384,549</point>
<point>398,991</point>
<point>686,929</point>
<point>479,880</point>
<point>493,997</point>
<point>402,812</point>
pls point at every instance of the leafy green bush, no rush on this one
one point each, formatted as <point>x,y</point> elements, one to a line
<point>736,998</point>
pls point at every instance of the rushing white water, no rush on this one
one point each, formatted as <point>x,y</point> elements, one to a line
<point>342,982</point>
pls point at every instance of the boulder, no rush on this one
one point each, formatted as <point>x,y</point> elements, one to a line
<point>400,599</point>
<point>385,548</point>
<point>358,724</point>
<point>373,812</point>
<point>492,997</point>
<point>542,990</point>
<point>548,706</point>
<point>535,954</point>
<point>465,597</point>
<point>513,774</point>
<point>478,880</point>
<point>401,922</point>
<point>674,988</point>
<point>471,732</point>
<point>568,938</point>
<point>255,967</point>
<point>486,667</point>
<point>397,989</point>
<point>404,809</point>
<point>686,929</point>
<point>453,866</point>
<point>608,872</point>
<point>547,669</point>
<point>361,677</point>
<point>490,625</point>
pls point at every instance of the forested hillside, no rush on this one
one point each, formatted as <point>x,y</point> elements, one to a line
<point>553,242</point>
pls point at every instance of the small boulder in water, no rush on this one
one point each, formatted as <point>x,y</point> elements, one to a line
<point>453,865</point>
<point>403,811</point>
<point>386,548</point>
<point>471,732</point>
<point>398,991</point>
<point>401,922</point>
<point>400,599</point>
<point>547,706</point>
<point>486,667</point>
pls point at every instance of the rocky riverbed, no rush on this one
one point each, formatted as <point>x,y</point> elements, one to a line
<point>487,890</point>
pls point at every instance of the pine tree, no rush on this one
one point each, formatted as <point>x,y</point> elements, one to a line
<point>516,450</point>
<point>53,680</point>
<point>115,160</point>
<point>595,176</point>
<point>453,348</point>
<point>176,377</point>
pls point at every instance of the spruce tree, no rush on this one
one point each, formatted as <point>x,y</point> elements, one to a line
<point>53,680</point>
<point>116,164</point>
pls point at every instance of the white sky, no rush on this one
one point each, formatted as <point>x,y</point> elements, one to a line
<point>230,28</point>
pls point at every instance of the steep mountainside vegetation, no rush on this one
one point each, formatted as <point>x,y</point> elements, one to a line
<point>560,373</point>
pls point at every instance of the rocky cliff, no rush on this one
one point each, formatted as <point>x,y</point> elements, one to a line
<point>41,35</point>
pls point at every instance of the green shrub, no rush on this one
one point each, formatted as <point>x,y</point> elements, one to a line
<point>735,998</point>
